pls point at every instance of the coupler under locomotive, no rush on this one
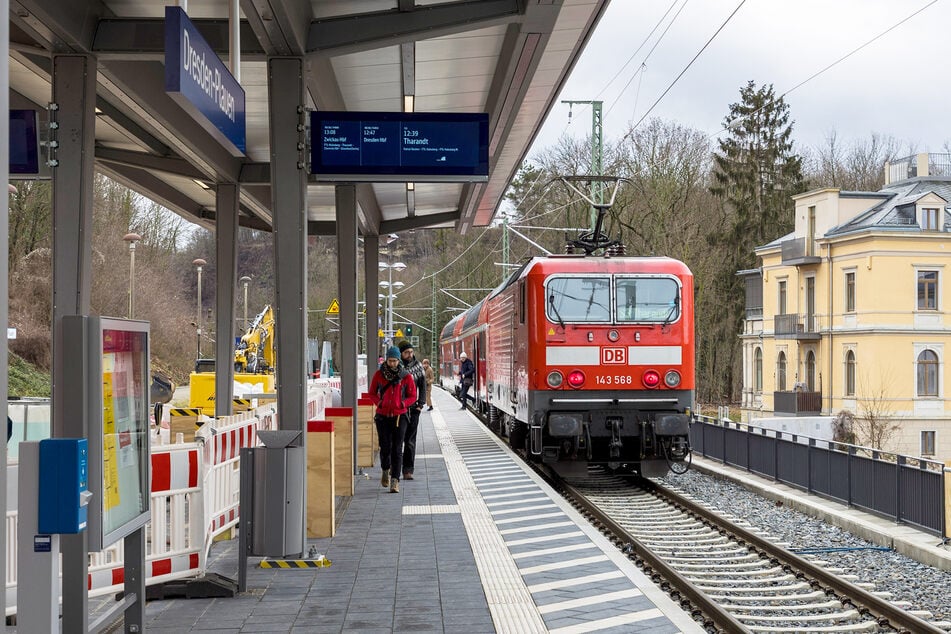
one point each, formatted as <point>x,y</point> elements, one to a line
<point>648,443</point>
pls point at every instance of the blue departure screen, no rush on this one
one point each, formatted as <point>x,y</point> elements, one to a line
<point>351,145</point>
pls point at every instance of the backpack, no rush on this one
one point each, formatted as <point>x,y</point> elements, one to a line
<point>391,400</point>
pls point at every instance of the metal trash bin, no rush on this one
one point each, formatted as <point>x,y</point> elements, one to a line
<point>272,496</point>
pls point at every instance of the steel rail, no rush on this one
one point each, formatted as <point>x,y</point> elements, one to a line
<point>721,619</point>
<point>895,616</point>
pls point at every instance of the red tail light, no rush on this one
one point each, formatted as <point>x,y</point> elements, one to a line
<point>651,379</point>
<point>576,378</point>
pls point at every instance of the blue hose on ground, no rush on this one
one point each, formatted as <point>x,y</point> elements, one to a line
<point>816,551</point>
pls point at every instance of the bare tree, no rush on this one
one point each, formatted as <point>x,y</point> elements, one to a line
<point>876,423</point>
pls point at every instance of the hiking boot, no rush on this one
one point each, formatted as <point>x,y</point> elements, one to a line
<point>395,486</point>
<point>385,480</point>
<point>407,475</point>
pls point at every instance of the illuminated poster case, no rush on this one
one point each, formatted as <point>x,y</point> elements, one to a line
<point>109,358</point>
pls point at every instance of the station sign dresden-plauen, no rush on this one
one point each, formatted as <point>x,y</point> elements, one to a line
<point>400,146</point>
<point>197,79</point>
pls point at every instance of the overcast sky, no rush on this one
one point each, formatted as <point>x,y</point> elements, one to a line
<point>898,85</point>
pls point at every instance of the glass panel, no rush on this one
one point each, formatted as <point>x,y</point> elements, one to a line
<point>125,427</point>
<point>927,290</point>
<point>850,292</point>
<point>782,298</point>
<point>574,299</point>
<point>651,299</point>
<point>781,373</point>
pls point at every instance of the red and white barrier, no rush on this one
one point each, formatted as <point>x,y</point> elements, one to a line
<point>194,498</point>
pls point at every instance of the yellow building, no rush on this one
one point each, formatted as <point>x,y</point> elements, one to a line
<point>850,312</point>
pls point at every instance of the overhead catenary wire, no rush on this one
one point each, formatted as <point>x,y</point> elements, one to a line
<point>829,67</point>
<point>685,69</point>
<point>643,66</point>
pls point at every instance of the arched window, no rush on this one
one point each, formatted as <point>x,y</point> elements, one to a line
<point>758,370</point>
<point>811,371</point>
<point>850,373</point>
<point>927,373</point>
<point>781,372</point>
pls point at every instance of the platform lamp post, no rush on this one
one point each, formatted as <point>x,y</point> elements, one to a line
<point>131,238</point>
<point>389,284</point>
<point>199,263</point>
<point>245,280</point>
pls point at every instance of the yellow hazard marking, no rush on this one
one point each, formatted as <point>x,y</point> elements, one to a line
<point>334,308</point>
<point>381,333</point>
<point>295,563</point>
<point>185,411</point>
<point>399,333</point>
<point>551,331</point>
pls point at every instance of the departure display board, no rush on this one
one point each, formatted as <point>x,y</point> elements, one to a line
<point>399,146</point>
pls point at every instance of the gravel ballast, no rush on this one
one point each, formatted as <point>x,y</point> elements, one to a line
<point>925,587</point>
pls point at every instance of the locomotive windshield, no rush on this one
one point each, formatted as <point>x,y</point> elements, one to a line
<point>648,299</point>
<point>579,299</point>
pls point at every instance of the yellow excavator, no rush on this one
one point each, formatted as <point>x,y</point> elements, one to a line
<point>254,361</point>
<point>254,353</point>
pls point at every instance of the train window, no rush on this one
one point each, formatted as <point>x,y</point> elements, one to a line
<point>521,301</point>
<point>650,299</point>
<point>579,299</point>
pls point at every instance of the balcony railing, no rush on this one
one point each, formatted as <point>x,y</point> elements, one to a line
<point>802,403</point>
<point>795,326</point>
<point>795,252</point>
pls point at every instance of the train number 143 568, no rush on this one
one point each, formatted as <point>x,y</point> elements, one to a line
<point>617,379</point>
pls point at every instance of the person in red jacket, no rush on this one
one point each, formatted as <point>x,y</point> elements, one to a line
<point>393,391</point>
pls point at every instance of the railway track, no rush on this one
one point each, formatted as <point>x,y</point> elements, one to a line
<point>740,579</point>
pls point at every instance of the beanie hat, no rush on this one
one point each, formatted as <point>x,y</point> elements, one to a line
<point>405,345</point>
<point>392,352</point>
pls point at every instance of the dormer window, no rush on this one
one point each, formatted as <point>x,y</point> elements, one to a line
<point>929,219</point>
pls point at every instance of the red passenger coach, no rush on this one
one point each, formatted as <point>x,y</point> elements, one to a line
<point>584,359</point>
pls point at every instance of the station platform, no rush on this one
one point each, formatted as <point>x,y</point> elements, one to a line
<point>476,543</point>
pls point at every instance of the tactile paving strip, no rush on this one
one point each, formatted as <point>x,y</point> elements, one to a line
<point>510,602</point>
<point>577,578</point>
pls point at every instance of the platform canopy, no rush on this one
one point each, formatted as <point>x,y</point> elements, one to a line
<point>508,58</point>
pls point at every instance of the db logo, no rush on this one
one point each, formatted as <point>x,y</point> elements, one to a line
<point>613,356</point>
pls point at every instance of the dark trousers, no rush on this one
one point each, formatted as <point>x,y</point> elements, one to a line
<point>391,430</point>
<point>464,392</point>
<point>409,440</point>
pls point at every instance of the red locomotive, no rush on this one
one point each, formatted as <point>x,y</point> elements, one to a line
<point>584,359</point>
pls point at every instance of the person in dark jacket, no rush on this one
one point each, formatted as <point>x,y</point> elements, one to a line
<point>393,391</point>
<point>466,374</point>
<point>414,367</point>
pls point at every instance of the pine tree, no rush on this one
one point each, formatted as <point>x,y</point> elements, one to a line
<point>756,171</point>
<point>755,175</point>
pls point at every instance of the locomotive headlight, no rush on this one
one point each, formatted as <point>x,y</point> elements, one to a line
<point>576,378</point>
<point>650,379</point>
<point>613,335</point>
<point>555,378</point>
<point>672,378</point>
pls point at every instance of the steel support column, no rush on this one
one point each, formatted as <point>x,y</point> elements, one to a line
<point>288,193</point>
<point>289,203</point>
<point>371,290</point>
<point>74,93</point>
<point>371,263</point>
<point>4,270</point>
<point>226,257</point>
<point>346,196</point>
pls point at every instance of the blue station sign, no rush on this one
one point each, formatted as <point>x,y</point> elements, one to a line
<point>400,146</point>
<point>197,79</point>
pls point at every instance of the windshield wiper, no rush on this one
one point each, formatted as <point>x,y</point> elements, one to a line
<point>551,301</point>
<point>670,315</point>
